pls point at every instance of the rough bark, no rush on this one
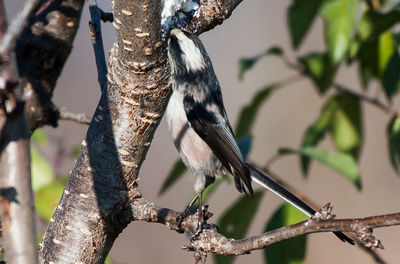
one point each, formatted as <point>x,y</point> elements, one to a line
<point>17,207</point>
<point>94,208</point>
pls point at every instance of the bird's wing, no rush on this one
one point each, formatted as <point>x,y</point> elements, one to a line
<point>215,130</point>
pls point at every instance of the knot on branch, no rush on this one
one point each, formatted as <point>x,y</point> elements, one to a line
<point>368,240</point>
<point>200,256</point>
<point>325,213</point>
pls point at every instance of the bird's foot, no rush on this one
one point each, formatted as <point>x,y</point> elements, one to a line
<point>182,215</point>
<point>179,219</point>
<point>200,227</point>
<point>202,224</point>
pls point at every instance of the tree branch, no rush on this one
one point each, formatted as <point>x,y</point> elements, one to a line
<point>42,51</point>
<point>81,118</point>
<point>97,42</point>
<point>211,14</point>
<point>14,30</point>
<point>16,196</point>
<point>211,241</point>
<point>373,101</point>
<point>342,88</point>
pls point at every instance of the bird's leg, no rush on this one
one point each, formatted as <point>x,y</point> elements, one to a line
<point>200,223</point>
<point>186,212</point>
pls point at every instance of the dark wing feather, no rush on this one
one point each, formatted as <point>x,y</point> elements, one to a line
<point>219,138</point>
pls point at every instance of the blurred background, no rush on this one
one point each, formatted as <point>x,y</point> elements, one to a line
<point>253,27</point>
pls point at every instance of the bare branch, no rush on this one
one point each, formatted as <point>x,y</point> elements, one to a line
<point>373,101</point>
<point>16,197</point>
<point>97,41</point>
<point>211,14</point>
<point>81,118</point>
<point>42,51</point>
<point>342,88</point>
<point>14,30</point>
<point>17,207</point>
<point>211,241</point>
<point>106,17</point>
<point>3,20</point>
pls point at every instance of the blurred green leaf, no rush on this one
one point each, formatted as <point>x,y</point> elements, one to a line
<point>246,64</point>
<point>108,260</point>
<point>248,113</point>
<point>235,221</point>
<point>290,251</point>
<point>321,70</point>
<point>316,132</point>
<point>177,171</point>
<point>373,23</point>
<point>42,171</point>
<point>210,190</point>
<point>244,144</point>
<point>343,163</point>
<point>391,76</point>
<point>339,17</point>
<point>300,16</point>
<point>368,62</point>
<point>346,125</point>
<point>286,151</point>
<point>40,238</point>
<point>47,197</point>
<point>374,56</point>
<point>213,187</point>
<point>393,136</point>
<point>386,48</point>
<point>39,137</point>
<point>274,50</point>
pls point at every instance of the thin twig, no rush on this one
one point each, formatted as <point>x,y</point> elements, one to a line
<point>341,88</point>
<point>81,118</point>
<point>291,79</point>
<point>373,4</point>
<point>16,27</point>
<point>96,14</point>
<point>106,17</point>
<point>3,20</point>
<point>373,101</point>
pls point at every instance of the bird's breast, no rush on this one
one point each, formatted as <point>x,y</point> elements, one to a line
<point>195,153</point>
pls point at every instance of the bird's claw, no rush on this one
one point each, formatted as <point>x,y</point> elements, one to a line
<point>202,225</point>
<point>181,216</point>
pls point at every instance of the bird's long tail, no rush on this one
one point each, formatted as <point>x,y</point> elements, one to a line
<point>268,183</point>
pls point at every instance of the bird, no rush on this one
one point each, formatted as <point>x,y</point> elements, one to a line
<point>200,128</point>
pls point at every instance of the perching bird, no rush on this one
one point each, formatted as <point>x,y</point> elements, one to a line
<point>200,128</point>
